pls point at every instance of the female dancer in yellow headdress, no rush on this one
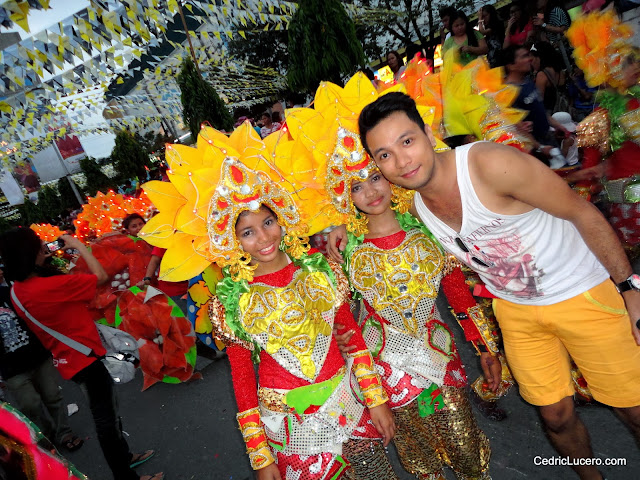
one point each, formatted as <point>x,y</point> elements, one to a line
<point>276,304</point>
<point>397,268</point>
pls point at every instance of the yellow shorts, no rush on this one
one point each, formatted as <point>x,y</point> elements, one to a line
<point>593,328</point>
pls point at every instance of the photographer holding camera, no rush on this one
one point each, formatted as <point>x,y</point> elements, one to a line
<point>61,302</point>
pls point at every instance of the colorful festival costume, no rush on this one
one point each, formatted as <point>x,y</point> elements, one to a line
<point>304,414</point>
<point>399,277</point>
<point>612,132</point>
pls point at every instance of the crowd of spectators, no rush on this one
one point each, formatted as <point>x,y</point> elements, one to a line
<point>531,46</point>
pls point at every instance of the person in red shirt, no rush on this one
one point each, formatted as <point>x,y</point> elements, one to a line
<point>61,303</point>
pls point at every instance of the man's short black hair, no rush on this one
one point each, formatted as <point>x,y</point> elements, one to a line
<point>508,55</point>
<point>384,106</point>
<point>447,11</point>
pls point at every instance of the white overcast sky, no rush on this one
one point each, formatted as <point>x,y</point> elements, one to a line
<point>41,19</point>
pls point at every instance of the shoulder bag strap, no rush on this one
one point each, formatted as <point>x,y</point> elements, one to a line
<point>55,334</point>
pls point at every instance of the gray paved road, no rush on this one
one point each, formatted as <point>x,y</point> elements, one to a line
<point>193,429</point>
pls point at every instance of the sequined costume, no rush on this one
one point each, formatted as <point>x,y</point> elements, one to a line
<point>304,400</point>
<point>304,414</point>
<point>603,49</point>
<point>399,277</point>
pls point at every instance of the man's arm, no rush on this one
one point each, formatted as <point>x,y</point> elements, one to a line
<point>511,174</point>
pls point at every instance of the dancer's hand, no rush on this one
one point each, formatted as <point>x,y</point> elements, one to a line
<point>270,472</point>
<point>492,369</point>
<point>382,419</point>
<point>342,339</point>
<point>336,243</point>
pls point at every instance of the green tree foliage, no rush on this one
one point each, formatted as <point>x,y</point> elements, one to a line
<point>49,203</point>
<point>393,24</point>
<point>67,197</point>
<point>5,225</point>
<point>30,213</point>
<point>200,101</point>
<point>96,180</point>
<point>154,143</point>
<point>129,156</point>
<point>264,48</point>
<point>322,45</point>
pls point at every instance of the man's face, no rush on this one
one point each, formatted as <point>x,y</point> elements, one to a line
<point>522,61</point>
<point>446,21</point>
<point>402,150</point>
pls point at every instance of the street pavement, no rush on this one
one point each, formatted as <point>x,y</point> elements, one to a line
<point>193,430</point>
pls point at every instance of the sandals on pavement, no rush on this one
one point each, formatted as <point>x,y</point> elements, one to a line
<point>157,476</point>
<point>72,442</point>
<point>139,458</point>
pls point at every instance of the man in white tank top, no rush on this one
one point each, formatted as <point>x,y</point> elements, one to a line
<point>542,250</point>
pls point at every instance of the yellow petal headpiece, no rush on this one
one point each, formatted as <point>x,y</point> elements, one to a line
<point>210,186</point>
<point>330,130</point>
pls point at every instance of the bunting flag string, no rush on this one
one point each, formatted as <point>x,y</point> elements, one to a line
<point>54,81</point>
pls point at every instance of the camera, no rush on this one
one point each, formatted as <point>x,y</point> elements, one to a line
<point>54,246</point>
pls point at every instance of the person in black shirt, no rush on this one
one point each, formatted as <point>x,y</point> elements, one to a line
<point>31,378</point>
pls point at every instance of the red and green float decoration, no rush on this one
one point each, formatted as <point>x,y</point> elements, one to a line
<point>165,336</point>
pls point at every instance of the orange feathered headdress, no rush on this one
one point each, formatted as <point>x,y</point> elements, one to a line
<point>601,44</point>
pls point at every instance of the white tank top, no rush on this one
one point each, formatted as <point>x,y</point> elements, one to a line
<point>533,258</point>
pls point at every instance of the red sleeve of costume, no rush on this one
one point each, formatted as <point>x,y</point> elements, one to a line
<point>243,376</point>
<point>591,157</point>
<point>460,299</point>
<point>345,317</point>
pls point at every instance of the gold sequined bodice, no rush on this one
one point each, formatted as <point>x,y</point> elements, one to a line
<point>294,323</point>
<point>400,283</point>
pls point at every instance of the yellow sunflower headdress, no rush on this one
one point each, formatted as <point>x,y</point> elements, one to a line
<point>478,102</point>
<point>330,132</point>
<point>601,45</point>
<point>210,185</point>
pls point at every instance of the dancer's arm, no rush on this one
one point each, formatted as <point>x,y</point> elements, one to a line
<point>474,325</point>
<point>246,393</point>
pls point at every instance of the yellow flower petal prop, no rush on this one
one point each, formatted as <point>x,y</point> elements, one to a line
<point>104,213</point>
<point>160,228</point>
<point>477,102</point>
<point>601,43</point>
<point>46,231</point>
<point>183,258</point>
<point>210,185</point>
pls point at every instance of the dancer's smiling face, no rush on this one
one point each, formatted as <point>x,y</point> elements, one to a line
<point>259,234</point>
<point>373,195</point>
